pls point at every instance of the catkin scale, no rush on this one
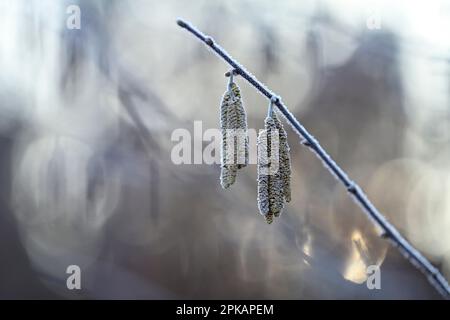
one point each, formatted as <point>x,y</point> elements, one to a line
<point>269,217</point>
<point>227,176</point>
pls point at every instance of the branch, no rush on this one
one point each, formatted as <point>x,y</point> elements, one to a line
<point>388,230</point>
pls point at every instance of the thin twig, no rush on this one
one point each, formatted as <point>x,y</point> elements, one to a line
<point>388,230</point>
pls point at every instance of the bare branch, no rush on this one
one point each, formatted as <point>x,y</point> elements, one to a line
<point>388,231</point>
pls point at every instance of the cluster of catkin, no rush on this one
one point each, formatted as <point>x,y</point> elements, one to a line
<point>274,165</point>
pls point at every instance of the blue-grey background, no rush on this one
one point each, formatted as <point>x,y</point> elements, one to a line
<point>86,176</point>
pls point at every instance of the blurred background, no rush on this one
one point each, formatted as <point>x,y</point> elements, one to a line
<point>86,177</point>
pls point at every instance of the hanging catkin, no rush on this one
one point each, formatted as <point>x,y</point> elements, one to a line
<point>228,170</point>
<point>273,168</point>
<point>233,123</point>
<point>285,159</point>
<point>270,187</point>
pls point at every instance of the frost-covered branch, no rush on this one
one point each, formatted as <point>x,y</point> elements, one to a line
<point>388,231</point>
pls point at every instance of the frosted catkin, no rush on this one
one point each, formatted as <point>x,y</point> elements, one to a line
<point>233,123</point>
<point>285,159</point>
<point>270,182</point>
<point>276,197</point>
<point>227,170</point>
